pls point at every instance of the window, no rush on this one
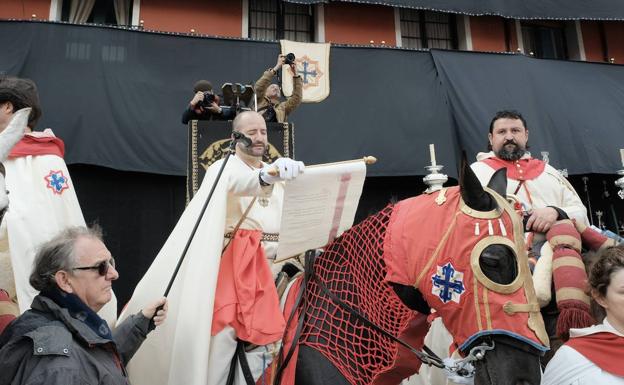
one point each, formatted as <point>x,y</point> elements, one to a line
<point>545,40</point>
<point>274,20</point>
<point>98,12</point>
<point>426,29</point>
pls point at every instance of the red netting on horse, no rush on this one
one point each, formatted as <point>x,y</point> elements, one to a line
<point>352,267</point>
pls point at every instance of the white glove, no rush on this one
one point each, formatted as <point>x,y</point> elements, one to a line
<point>284,168</point>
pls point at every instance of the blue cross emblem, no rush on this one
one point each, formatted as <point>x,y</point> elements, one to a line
<point>305,73</point>
<point>56,181</point>
<point>448,283</point>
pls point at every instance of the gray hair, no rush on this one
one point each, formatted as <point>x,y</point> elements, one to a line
<point>59,254</point>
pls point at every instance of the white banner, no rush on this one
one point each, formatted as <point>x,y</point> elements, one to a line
<point>319,205</point>
<point>312,61</point>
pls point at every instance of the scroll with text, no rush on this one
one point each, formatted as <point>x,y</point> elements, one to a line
<point>319,206</point>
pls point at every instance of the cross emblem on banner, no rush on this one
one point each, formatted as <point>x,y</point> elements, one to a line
<point>56,181</point>
<point>309,71</point>
<point>448,283</point>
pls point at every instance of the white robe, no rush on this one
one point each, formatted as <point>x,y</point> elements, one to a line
<point>548,189</point>
<point>36,214</point>
<point>569,367</point>
<point>181,350</point>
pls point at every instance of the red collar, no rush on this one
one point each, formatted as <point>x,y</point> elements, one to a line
<point>35,145</point>
<point>522,169</point>
<point>601,349</point>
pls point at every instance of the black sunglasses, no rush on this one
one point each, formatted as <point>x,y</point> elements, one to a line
<point>102,267</point>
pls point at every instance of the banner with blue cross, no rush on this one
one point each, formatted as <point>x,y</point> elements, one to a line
<point>312,63</point>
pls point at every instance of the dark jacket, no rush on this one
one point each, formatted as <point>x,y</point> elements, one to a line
<point>46,345</point>
<point>189,114</point>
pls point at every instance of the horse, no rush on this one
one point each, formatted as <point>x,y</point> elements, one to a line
<point>459,251</point>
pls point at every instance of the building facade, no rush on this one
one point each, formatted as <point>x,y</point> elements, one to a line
<point>346,23</point>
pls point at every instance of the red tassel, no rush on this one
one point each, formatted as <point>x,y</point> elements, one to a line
<point>573,315</point>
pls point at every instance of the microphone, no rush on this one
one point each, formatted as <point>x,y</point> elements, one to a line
<point>239,136</point>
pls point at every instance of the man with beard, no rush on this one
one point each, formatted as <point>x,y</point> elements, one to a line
<point>544,193</point>
<point>226,302</point>
<point>546,197</point>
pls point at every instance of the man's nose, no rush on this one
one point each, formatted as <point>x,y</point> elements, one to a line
<point>112,273</point>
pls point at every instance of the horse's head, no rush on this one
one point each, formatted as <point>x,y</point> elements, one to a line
<point>468,261</point>
<point>9,136</point>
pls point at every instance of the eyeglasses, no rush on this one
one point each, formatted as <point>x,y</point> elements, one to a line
<point>102,267</point>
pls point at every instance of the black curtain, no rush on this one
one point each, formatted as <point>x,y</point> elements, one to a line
<point>136,211</point>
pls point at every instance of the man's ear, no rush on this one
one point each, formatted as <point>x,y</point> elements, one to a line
<point>62,280</point>
<point>8,106</point>
<point>490,138</point>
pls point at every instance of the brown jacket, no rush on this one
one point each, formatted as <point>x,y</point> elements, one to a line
<point>282,109</point>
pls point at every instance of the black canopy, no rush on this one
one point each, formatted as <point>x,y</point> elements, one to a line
<point>515,9</point>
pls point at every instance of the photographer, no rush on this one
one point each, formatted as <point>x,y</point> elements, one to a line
<point>205,105</point>
<point>269,104</point>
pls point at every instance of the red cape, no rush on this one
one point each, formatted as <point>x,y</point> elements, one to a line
<point>35,145</point>
<point>521,169</point>
<point>603,349</point>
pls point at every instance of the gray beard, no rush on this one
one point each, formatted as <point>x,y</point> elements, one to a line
<point>514,154</point>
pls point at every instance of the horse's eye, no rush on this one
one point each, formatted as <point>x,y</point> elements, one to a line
<point>498,263</point>
<point>489,261</point>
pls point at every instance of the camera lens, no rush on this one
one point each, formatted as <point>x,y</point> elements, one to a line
<point>290,58</point>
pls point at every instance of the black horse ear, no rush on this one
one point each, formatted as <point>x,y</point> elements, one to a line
<point>498,182</point>
<point>472,192</point>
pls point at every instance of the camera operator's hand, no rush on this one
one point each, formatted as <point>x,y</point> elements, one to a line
<point>283,168</point>
<point>199,96</point>
<point>280,62</point>
<point>293,69</point>
<point>214,108</point>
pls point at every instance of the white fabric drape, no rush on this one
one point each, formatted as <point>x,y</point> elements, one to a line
<point>80,10</point>
<point>122,11</point>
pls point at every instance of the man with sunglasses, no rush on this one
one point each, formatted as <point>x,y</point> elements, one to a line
<point>61,339</point>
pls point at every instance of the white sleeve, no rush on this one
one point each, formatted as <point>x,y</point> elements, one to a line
<point>241,180</point>
<point>571,203</point>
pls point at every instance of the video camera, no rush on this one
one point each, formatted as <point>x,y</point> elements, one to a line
<point>237,96</point>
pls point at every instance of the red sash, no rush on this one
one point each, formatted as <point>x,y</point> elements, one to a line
<point>246,297</point>
<point>603,349</point>
<point>521,169</point>
<point>37,145</point>
<point>8,310</point>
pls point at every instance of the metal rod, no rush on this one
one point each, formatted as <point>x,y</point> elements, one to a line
<point>201,214</point>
